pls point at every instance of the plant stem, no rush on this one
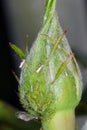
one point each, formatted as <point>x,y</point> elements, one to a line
<point>62,120</point>
<point>49,10</point>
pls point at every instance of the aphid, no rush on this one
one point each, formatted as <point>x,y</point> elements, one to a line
<point>24,116</point>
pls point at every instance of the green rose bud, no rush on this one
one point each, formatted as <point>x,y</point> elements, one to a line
<point>50,81</point>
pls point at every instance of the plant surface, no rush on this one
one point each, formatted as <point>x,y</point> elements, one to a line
<point>50,81</point>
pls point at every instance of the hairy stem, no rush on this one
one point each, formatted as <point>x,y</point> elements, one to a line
<point>62,120</point>
<point>49,10</point>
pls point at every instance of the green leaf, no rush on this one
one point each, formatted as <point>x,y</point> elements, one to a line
<point>18,51</point>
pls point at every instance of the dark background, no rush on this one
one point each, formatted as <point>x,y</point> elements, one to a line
<point>8,83</point>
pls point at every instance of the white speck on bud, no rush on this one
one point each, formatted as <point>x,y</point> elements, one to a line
<point>31,89</point>
<point>39,69</point>
<point>21,64</point>
<point>45,18</point>
<point>66,74</point>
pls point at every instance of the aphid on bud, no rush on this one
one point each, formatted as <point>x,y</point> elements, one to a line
<point>24,116</point>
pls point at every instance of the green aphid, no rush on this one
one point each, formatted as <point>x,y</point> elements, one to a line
<point>50,80</point>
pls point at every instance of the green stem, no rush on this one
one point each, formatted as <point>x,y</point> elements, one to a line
<point>49,10</point>
<point>62,120</point>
